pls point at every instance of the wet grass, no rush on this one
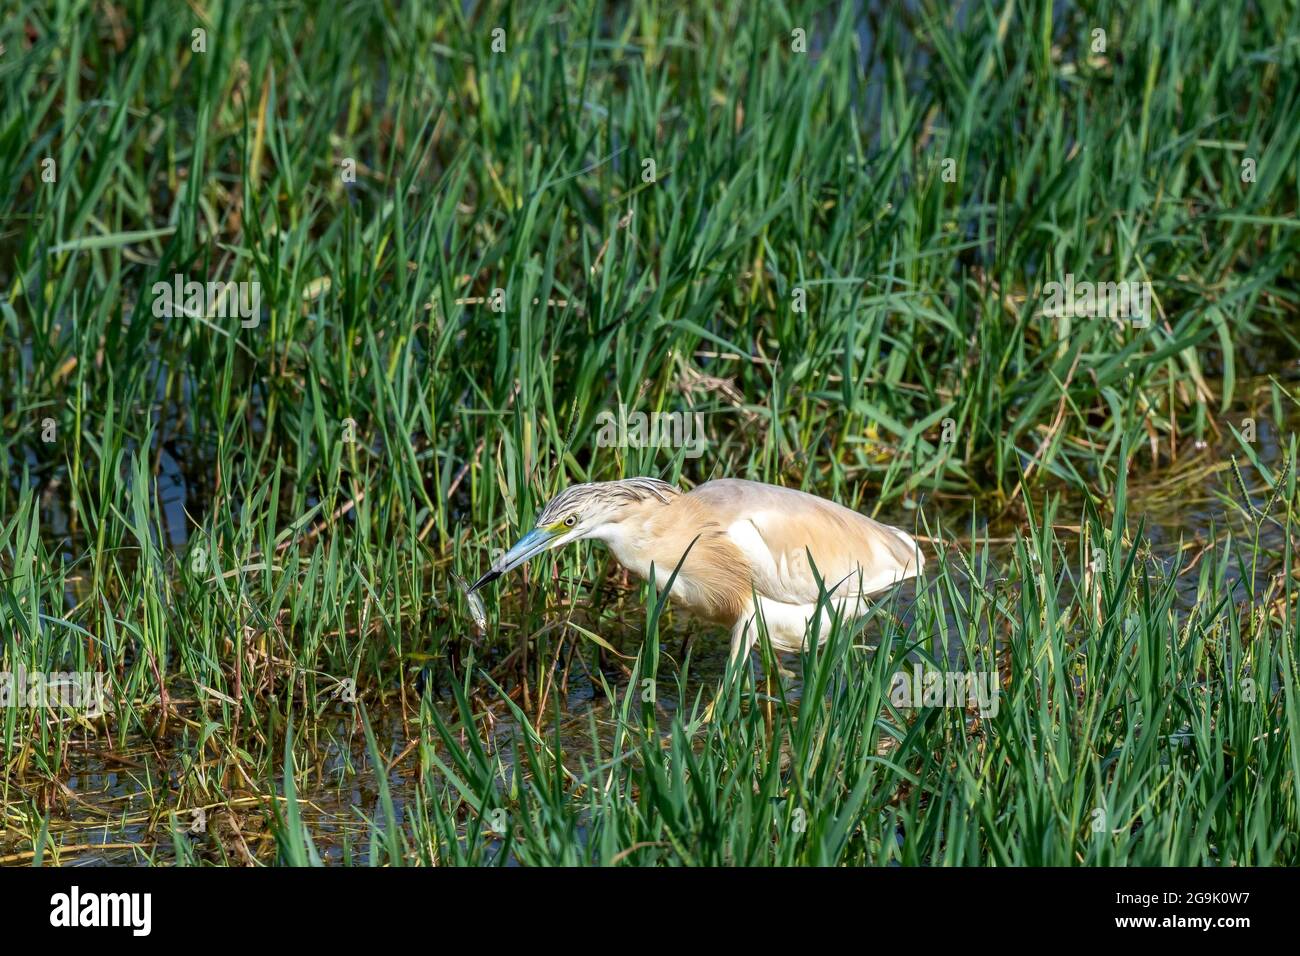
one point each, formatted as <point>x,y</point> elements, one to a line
<point>1128,729</point>
<point>250,530</point>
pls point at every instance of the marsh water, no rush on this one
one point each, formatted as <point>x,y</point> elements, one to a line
<point>116,806</point>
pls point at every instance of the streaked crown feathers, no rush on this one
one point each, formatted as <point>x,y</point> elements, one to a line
<point>623,490</point>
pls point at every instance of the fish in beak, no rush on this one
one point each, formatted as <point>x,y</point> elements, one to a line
<point>534,542</point>
<point>475,603</point>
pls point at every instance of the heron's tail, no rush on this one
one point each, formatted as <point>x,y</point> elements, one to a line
<point>915,562</point>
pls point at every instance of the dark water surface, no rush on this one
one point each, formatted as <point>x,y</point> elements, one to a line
<point>116,806</point>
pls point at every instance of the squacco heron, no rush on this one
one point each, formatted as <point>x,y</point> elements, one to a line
<point>749,549</point>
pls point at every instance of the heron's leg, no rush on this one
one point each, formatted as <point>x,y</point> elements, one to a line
<point>744,633</point>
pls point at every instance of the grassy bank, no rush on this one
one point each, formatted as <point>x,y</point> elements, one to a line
<point>1139,721</point>
<point>838,257</point>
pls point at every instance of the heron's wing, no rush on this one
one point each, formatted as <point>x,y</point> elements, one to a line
<point>777,529</point>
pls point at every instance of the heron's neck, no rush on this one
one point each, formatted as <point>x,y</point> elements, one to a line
<point>636,539</point>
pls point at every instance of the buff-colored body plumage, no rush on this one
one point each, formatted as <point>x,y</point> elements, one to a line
<point>750,556</point>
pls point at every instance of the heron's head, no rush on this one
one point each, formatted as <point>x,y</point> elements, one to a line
<point>580,511</point>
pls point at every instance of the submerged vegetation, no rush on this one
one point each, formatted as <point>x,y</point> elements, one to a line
<point>478,237</point>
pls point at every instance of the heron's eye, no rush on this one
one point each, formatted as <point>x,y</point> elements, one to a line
<point>571,520</point>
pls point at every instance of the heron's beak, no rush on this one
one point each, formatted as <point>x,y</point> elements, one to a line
<point>535,541</point>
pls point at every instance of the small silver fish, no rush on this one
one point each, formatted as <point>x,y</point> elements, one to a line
<point>476,608</point>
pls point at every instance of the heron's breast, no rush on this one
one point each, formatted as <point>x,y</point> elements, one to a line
<point>713,581</point>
